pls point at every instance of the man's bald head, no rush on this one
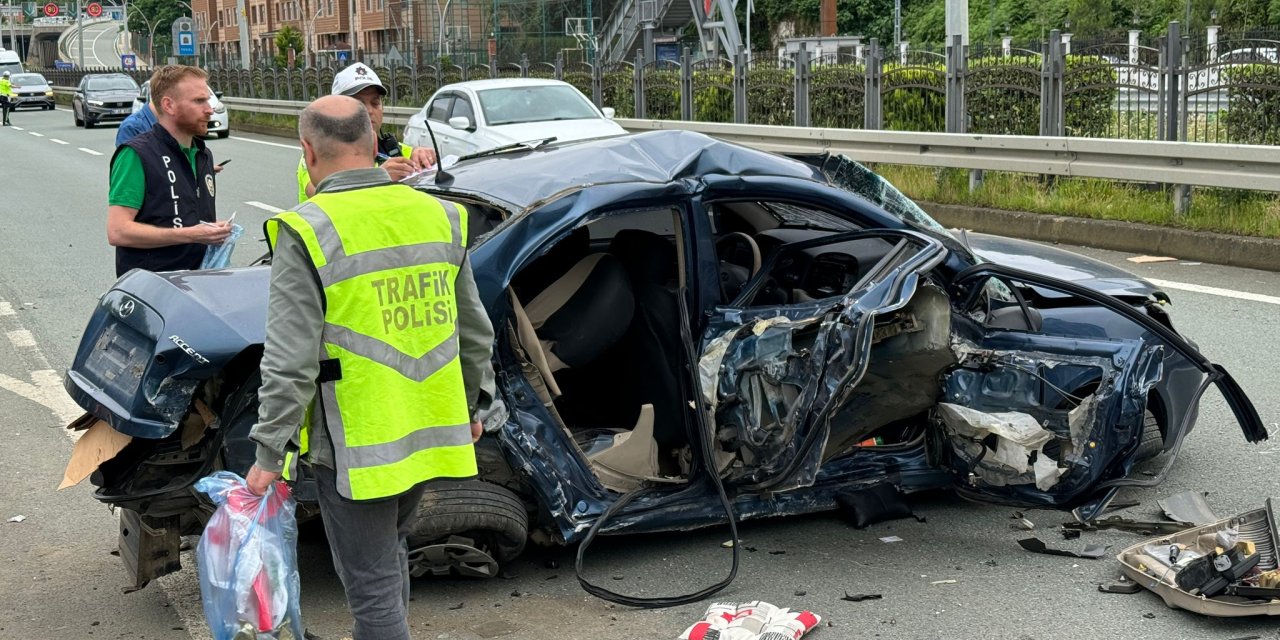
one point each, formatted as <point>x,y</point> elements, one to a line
<point>337,127</point>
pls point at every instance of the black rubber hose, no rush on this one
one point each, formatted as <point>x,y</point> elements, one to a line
<point>708,461</point>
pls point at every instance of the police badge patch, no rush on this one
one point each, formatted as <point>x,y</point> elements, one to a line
<point>208,182</point>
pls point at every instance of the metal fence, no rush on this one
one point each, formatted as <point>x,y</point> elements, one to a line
<point>1176,90</point>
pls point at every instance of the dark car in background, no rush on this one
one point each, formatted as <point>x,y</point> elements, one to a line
<point>674,313</point>
<point>31,90</point>
<point>103,97</point>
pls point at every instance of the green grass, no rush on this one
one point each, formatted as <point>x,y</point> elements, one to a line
<point>286,124</point>
<point>1236,212</point>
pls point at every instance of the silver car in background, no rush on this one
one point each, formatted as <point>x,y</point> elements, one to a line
<point>31,90</point>
<point>219,124</point>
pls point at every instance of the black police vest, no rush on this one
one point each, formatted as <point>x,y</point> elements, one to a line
<point>173,198</point>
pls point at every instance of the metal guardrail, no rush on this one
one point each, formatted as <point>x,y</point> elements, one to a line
<point>1187,163</point>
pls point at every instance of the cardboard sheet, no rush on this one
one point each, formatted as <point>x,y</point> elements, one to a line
<point>96,445</point>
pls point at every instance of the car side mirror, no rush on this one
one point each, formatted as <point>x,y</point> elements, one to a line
<point>217,94</point>
<point>462,123</point>
<point>609,112</point>
<point>142,99</point>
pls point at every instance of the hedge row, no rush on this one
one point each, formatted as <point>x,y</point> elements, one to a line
<point>1003,96</point>
<point>1254,97</point>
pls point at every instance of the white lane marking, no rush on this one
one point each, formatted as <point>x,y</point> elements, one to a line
<point>64,110</point>
<point>1215,291</point>
<point>16,128</point>
<point>90,151</point>
<point>57,141</point>
<point>38,135</point>
<point>273,144</point>
<point>21,338</point>
<point>264,206</point>
<point>45,385</point>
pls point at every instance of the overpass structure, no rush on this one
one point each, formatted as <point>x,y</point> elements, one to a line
<point>44,40</point>
<point>636,24</point>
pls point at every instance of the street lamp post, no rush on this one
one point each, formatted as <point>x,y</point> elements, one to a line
<point>309,29</point>
<point>151,35</point>
<point>208,40</point>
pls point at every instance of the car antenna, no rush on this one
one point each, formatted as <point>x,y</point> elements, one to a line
<point>442,177</point>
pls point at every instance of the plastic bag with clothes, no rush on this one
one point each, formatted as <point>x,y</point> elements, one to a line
<point>248,561</point>
<point>218,256</point>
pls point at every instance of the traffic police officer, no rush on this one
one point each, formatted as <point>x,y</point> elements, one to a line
<point>400,160</point>
<point>377,357</point>
<point>6,96</point>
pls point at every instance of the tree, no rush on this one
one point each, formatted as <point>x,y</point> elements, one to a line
<point>161,13</point>
<point>288,38</point>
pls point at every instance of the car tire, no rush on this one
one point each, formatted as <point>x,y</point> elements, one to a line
<point>88,124</point>
<point>1152,443</point>
<point>492,515</point>
<point>76,116</point>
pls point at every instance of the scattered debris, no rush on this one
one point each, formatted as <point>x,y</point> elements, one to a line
<point>1224,568</point>
<point>991,563</point>
<point>890,539</point>
<point>1248,638</point>
<point>1016,515</point>
<point>457,606</point>
<point>1194,264</point>
<point>1188,507</point>
<point>778,553</point>
<point>943,582</point>
<point>1124,586</point>
<point>859,597</point>
<point>618,578</point>
<point>1142,527</point>
<point>552,576</point>
<point>1070,534</point>
<point>877,503</point>
<point>1117,505</point>
<point>749,549</point>
<point>1023,524</point>
<point>801,594</point>
<point>751,620</point>
<point>1150,616</point>
<point>1036,545</point>
<point>516,593</point>
<point>17,518</point>
<point>728,544</point>
<point>1150,259</point>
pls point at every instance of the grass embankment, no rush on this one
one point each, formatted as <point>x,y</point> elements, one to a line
<point>1245,213</point>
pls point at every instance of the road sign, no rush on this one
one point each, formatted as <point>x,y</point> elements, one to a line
<point>342,57</point>
<point>128,61</point>
<point>51,9</point>
<point>94,10</point>
<point>186,43</point>
<point>59,64</point>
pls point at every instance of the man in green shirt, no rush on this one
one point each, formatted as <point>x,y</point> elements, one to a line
<point>399,160</point>
<point>160,208</point>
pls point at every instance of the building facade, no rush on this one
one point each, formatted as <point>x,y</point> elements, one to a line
<point>377,31</point>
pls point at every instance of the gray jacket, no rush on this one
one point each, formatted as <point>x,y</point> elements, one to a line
<point>295,319</point>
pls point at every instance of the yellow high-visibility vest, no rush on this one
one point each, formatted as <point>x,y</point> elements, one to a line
<point>391,392</point>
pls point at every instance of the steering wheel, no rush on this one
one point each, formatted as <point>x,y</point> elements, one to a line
<point>732,276</point>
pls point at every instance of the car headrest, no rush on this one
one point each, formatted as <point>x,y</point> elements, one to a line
<point>647,256</point>
<point>546,268</point>
<point>584,312</point>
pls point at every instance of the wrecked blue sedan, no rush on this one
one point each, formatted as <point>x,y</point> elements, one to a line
<point>688,329</point>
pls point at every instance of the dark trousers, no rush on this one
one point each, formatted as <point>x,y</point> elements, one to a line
<point>368,541</point>
<point>6,107</point>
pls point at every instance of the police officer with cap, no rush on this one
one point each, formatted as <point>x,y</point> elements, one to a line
<point>399,160</point>
<point>6,96</point>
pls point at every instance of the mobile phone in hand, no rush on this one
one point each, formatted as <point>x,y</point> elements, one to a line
<point>224,162</point>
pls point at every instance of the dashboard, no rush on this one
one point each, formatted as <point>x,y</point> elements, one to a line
<point>817,272</point>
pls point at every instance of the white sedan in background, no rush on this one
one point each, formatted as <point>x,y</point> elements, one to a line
<point>467,117</point>
<point>219,124</point>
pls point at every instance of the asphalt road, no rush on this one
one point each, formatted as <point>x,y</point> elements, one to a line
<point>99,45</point>
<point>60,580</point>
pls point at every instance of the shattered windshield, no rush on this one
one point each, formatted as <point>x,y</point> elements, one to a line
<point>854,177</point>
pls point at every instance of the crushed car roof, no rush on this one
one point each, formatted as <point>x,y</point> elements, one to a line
<point>654,157</point>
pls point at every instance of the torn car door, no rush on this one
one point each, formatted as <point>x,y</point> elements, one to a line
<point>1089,393</point>
<point>772,377</point>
